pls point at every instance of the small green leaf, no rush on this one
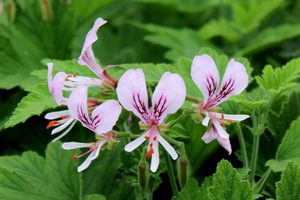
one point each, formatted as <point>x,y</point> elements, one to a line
<point>35,103</point>
<point>206,184</point>
<point>288,150</point>
<point>189,192</point>
<point>227,184</point>
<point>289,186</point>
<point>278,80</point>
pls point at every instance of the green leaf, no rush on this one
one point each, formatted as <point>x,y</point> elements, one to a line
<point>30,176</point>
<point>278,80</point>
<point>182,43</point>
<point>227,184</point>
<point>288,150</point>
<point>189,192</point>
<point>289,186</point>
<point>94,197</point>
<point>206,184</point>
<point>34,103</point>
<point>220,27</point>
<point>271,37</point>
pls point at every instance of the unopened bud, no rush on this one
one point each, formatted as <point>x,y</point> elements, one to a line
<point>182,171</point>
<point>143,169</point>
<point>11,11</point>
<point>46,10</point>
<point>199,117</point>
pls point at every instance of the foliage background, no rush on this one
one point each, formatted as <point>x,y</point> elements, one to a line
<point>138,31</point>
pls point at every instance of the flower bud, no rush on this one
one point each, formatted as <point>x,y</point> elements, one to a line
<point>182,166</point>
<point>46,10</point>
<point>11,11</point>
<point>143,170</point>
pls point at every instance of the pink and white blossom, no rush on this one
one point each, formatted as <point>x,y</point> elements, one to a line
<point>67,82</point>
<point>87,55</point>
<point>167,98</point>
<point>205,74</point>
<point>94,149</point>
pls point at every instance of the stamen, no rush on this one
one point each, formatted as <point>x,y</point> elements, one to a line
<point>154,138</point>
<point>222,116</point>
<point>74,75</point>
<point>52,123</point>
<point>75,156</point>
<point>149,153</point>
<point>147,138</point>
<point>63,117</point>
<point>151,144</point>
<point>223,124</point>
<point>229,121</point>
<point>68,77</point>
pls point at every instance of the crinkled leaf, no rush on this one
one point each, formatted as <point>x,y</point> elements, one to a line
<point>206,184</point>
<point>278,80</point>
<point>288,150</point>
<point>189,192</point>
<point>289,186</point>
<point>37,101</point>
<point>30,176</point>
<point>94,197</point>
<point>227,184</point>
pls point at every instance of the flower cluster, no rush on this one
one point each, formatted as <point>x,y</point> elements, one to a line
<point>132,93</point>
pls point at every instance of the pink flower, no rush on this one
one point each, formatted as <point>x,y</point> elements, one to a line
<point>167,98</point>
<point>94,150</point>
<point>67,82</point>
<point>206,76</point>
<point>87,55</point>
<point>101,122</point>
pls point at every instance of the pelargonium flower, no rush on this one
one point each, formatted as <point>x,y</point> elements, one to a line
<point>205,74</point>
<point>94,149</point>
<point>87,56</point>
<point>101,122</point>
<point>167,98</point>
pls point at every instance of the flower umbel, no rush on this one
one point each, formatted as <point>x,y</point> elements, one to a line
<point>167,98</point>
<point>205,74</point>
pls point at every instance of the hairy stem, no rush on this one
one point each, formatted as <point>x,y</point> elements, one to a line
<point>242,144</point>
<point>261,183</point>
<point>171,174</point>
<point>254,158</point>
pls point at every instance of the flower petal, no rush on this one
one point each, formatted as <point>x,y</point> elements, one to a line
<point>105,116</point>
<point>168,96</point>
<point>57,114</point>
<point>78,106</point>
<point>56,85</point>
<point>75,145</point>
<point>225,143</point>
<point>234,81</point>
<point>155,157</point>
<point>87,55</point>
<point>205,121</point>
<point>210,135</point>
<point>135,143</point>
<point>167,147</point>
<point>231,117</point>
<point>87,162</point>
<point>132,93</point>
<point>65,132</point>
<point>205,74</point>
<point>97,151</point>
<point>221,131</point>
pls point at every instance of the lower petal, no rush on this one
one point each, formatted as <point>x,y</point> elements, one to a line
<point>225,143</point>
<point>135,143</point>
<point>167,147</point>
<point>155,157</point>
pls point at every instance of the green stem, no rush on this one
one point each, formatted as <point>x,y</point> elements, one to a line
<point>261,183</point>
<point>242,145</point>
<point>138,195</point>
<point>254,158</point>
<point>193,99</point>
<point>183,114</point>
<point>171,174</point>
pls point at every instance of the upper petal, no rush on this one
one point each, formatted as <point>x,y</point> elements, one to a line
<point>168,96</point>
<point>56,85</point>
<point>87,55</point>
<point>234,81</point>
<point>132,93</point>
<point>105,116</point>
<point>78,106</point>
<point>205,74</point>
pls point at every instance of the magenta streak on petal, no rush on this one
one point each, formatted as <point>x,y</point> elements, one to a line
<point>140,107</point>
<point>84,119</point>
<point>95,121</point>
<point>159,107</point>
<point>211,86</point>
